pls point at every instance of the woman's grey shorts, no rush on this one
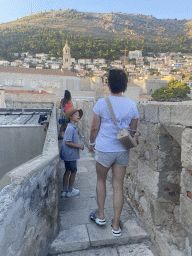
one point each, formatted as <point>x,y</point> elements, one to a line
<point>108,158</point>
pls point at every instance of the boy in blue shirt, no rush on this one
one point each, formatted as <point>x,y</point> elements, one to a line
<point>70,151</point>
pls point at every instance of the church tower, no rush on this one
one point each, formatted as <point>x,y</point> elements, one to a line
<point>66,57</point>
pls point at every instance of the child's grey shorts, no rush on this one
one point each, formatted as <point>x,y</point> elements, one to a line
<point>108,158</point>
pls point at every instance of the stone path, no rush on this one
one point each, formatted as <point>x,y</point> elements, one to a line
<point>80,236</point>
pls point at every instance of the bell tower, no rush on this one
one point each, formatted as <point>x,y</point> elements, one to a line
<point>66,57</point>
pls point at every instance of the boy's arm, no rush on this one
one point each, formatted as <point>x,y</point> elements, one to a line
<point>73,145</point>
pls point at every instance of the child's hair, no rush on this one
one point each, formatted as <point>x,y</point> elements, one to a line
<point>67,97</point>
<point>117,80</point>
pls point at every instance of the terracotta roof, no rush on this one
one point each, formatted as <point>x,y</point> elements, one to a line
<point>34,71</point>
<point>31,92</point>
<point>145,96</point>
<point>132,84</point>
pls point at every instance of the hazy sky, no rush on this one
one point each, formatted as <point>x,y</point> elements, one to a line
<point>161,9</point>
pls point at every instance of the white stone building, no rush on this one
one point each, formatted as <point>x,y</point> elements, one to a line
<point>135,54</point>
<point>55,66</point>
<point>32,78</point>
<point>4,62</point>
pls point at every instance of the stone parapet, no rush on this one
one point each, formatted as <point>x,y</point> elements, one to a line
<point>29,213</point>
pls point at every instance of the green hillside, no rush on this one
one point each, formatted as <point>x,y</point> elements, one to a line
<point>92,35</point>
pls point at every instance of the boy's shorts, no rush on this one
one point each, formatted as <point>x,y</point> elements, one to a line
<point>108,158</point>
<point>71,166</point>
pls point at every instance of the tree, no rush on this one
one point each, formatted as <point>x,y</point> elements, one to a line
<point>174,89</point>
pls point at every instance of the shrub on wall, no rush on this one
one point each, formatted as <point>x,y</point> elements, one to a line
<point>173,90</point>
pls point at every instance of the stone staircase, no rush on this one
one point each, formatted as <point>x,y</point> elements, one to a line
<point>80,236</point>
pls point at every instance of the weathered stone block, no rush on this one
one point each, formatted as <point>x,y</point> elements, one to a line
<point>71,239</point>
<point>186,181</point>
<point>135,230</point>
<point>161,240</point>
<point>162,211</point>
<point>143,129</point>
<point>186,213</point>
<point>175,131</point>
<point>144,204</point>
<point>141,110</point>
<point>147,178</point>
<point>181,114</point>
<point>153,133</point>
<point>186,146</point>
<point>135,250</point>
<point>164,114</point>
<point>152,113</point>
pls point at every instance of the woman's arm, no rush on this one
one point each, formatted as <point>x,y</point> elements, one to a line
<point>133,126</point>
<point>94,130</point>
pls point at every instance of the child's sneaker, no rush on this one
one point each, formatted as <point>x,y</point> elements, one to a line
<point>63,194</point>
<point>74,192</point>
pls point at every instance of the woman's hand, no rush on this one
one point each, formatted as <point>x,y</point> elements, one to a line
<point>91,148</point>
<point>81,147</point>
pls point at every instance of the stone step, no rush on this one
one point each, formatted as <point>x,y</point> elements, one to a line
<point>142,249</point>
<point>82,237</point>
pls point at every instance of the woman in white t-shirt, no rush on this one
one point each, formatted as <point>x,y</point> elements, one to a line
<point>109,151</point>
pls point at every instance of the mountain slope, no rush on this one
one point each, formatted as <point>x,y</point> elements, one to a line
<point>52,28</point>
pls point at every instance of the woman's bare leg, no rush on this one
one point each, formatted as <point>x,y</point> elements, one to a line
<point>101,188</point>
<point>118,174</point>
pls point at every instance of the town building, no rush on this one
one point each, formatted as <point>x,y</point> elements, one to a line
<point>66,57</point>
<point>135,54</point>
<point>32,78</point>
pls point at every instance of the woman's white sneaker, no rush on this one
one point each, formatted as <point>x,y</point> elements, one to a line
<point>74,192</point>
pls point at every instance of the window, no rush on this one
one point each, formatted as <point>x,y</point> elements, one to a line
<point>33,83</point>
<point>7,81</point>
<point>20,82</point>
<point>56,83</point>
<point>45,83</point>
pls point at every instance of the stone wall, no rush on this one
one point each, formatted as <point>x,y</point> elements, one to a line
<point>29,104</point>
<point>159,176</point>
<point>27,98</point>
<point>55,96</point>
<point>150,85</point>
<point>29,200</point>
<point>85,84</point>
<point>132,92</point>
<point>31,81</point>
<point>19,144</point>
